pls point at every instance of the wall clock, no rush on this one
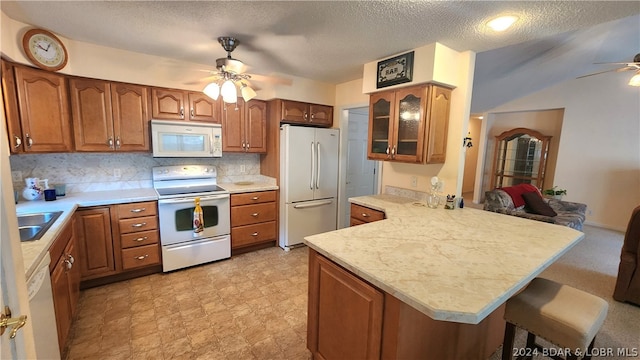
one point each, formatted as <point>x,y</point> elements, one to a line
<point>44,49</point>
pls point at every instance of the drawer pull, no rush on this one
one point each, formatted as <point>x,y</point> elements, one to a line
<point>255,234</point>
<point>141,257</point>
<point>141,238</point>
<point>255,214</point>
<point>139,225</point>
<point>138,210</point>
<point>365,215</point>
<point>255,198</point>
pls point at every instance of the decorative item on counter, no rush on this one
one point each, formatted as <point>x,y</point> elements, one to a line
<point>451,202</point>
<point>34,188</point>
<point>434,200</point>
<point>198,219</point>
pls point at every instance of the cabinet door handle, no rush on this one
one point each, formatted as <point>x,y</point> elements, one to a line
<point>255,214</point>
<point>68,264</point>
<point>365,215</point>
<point>29,140</point>
<point>306,116</point>
<point>139,225</point>
<point>138,210</point>
<point>71,258</point>
<point>255,198</point>
<point>141,257</point>
<point>193,113</point>
<point>393,152</point>
<point>181,113</point>
<point>255,234</point>
<point>388,151</point>
<point>118,142</point>
<point>248,146</point>
<point>18,141</point>
<point>110,143</point>
<point>312,117</point>
<point>244,145</point>
<point>143,238</point>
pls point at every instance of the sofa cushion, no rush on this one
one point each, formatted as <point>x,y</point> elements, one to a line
<point>516,192</point>
<point>534,203</point>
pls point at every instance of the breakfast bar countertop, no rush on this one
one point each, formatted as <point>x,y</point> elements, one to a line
<point>452,265</point>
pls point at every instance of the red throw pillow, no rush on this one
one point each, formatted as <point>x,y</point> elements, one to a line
<point>516,193</point>
<point>535,204</point>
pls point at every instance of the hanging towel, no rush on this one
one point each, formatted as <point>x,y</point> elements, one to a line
<point>198,221</point>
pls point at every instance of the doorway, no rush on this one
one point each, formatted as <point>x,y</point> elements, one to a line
<point>471,159</point>
<point>361,174</point>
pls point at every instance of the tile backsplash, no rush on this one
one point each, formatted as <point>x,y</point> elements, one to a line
<point>96,172</point>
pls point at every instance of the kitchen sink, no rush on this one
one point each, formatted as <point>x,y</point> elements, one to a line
<point>33,226</point>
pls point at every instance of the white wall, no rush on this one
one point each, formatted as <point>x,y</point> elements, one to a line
<point>599,149</point>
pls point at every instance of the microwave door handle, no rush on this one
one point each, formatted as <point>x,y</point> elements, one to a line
<point>211,144</point>
<point>191,200</point>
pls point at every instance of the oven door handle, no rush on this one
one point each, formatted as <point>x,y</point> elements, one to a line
<point>192,200</point>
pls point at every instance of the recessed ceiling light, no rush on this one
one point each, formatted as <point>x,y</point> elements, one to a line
<point>502,23</point>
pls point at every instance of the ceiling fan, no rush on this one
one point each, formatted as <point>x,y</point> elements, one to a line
<point>230,73</point>
<point>634,66</point>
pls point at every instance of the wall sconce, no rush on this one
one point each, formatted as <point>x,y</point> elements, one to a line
<point>466,142</point>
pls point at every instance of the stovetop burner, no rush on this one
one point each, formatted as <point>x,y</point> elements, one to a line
<point>186,180</point>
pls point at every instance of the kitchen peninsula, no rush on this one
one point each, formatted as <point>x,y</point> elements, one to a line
<point>423,283</point>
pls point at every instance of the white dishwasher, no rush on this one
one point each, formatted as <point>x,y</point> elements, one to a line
<point>43,315</point>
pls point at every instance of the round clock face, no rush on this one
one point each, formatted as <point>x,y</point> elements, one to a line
<point>44,49</point>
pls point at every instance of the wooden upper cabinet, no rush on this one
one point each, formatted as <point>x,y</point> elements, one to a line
<point>11,113</point>
<point>296,112</point>
<point>167,104</point>
<point>172,104</point>
<point>203,108</point>
<point>109,116</point>
<point>409,124</point>
<point>43,102</point>
<point>256,126</point>
<point>438,114</point>
<point>244,126</point>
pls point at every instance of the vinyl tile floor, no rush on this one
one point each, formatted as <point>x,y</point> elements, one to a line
<point>251,306</point>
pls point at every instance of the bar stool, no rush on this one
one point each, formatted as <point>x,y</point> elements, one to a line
<point>565,316</point>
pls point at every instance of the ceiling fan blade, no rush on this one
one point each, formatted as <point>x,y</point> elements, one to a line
<point>271,79</point>
<point>606,71</point>
<point>204,80</point>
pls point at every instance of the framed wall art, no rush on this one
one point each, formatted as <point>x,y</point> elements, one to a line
<point>396,70</point>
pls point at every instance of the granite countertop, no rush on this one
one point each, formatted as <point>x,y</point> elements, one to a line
<point>452,265</point>
<point>34,251</point>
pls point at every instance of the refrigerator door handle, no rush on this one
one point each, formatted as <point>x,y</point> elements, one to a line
<point>314,204</point>
<point>318,165</point>
<point>313,166</point>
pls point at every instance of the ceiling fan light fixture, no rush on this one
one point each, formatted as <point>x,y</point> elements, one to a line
<point>502,23</point>
<point>635,79</point>
<point>212,90</point>
<point>247,92</point>
<point>229,92</point>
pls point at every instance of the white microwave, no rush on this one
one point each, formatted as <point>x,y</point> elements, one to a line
<point>185,139</point>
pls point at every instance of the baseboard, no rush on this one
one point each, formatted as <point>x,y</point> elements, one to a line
<point>603,226</point>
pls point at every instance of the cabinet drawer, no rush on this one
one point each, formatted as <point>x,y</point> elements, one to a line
<point>139,239</point>
<point>253,198</point>
<point>140,256</point>
<point>252,214</point>
<point>355,222</point>
<point>133,210</point>
<point>252,234</point>
<point>138,224</point>
<point>365,214</point>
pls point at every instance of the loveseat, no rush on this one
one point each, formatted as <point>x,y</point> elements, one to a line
<point>570,214</point>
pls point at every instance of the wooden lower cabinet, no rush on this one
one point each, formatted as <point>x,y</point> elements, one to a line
<point>361,215</point>
<point>117,242</point>
<point>65,281</point>
<point>253,219</point>
<point>349,318</point>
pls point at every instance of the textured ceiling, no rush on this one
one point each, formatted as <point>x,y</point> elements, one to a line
<point>323,40</point>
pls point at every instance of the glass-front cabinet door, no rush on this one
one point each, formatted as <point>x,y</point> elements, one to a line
<point>520,158</point>
<point>381,110</point>
<point>409,120</point>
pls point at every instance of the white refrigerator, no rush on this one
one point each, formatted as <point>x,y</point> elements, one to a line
<point>308,182</point>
